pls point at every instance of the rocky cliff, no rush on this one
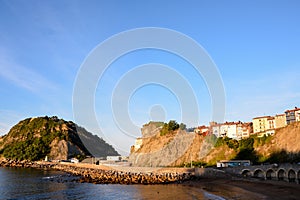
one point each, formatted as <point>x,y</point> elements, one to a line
<point>171,149</point>
<point>180,147</point>
<point>35,138</point>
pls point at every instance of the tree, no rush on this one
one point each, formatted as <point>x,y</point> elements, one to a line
<point>247,154</point>
<point>182,126</point>
<point>246,144</point>
<point>169,127</point>
<point>173,125</point>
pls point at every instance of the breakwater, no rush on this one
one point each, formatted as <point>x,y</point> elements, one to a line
<point>25,164</point>
<point>100,176</point>
<point>105,175</point>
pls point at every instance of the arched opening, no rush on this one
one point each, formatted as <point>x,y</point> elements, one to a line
<point>292,175</point>
<point>270,174</point>
<point>258,173</point>
<point>246,173</point>
<point>281,174</point>
<point>298,176</point>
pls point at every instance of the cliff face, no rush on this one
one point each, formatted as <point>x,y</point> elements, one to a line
<point>172,149</point>
<point>35,138</point>
<point>151,129</point>
<point>180,147</point>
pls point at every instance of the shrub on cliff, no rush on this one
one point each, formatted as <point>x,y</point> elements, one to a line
<point>170,127</point>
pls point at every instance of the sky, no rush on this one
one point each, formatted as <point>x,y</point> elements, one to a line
<point>255,46</point>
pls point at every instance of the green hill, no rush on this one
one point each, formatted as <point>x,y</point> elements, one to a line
<point>35,138</point>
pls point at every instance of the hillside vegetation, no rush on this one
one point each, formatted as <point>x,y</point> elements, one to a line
<point>282,147</point>
<point>35,138</point>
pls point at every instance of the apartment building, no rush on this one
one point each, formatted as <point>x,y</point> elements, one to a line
<point>234,130</point>
<point>260,124</point>
<point>292,115</point>
<point>270,126</point>
<point>244,130</point>
<point>280,121</point>
<point>264,125</point>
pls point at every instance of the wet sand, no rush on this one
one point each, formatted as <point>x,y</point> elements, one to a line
<point>247,189</point>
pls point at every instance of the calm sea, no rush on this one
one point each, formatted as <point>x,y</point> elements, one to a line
<point>19,183</point>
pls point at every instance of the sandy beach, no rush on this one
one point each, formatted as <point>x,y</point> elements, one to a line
<point>247,189</point>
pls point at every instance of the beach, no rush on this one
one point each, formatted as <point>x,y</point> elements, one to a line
<point>247,188</point>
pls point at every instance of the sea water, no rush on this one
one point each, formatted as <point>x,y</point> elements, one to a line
<point>28,183</point>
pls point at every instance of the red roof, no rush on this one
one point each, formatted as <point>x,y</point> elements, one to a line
<point>293,110</point>
<point>202,127</point>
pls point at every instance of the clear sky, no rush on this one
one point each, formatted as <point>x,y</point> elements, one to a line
<point>254,44</point>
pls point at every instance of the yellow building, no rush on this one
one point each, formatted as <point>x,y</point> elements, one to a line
<point>264,125</point>
<point>280,121</point>
<point>260,124</point>
<point>270,126</point>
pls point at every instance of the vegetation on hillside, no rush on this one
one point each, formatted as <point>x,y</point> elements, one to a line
<point>171,126</point>
<point>96,145</point>
<point>31,139</point>
<point>245,150</point>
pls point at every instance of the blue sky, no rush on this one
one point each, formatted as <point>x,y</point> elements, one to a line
<point>254,44</point>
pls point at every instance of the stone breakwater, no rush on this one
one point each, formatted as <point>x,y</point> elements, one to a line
<point>100,176</point>
<point>25,164</point>
<point>105,176</point>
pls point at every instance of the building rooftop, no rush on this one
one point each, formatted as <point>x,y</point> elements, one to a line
<point>293,110</point>
<point>261,117</point>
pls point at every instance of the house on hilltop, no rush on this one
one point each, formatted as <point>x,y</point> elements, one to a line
<point>280,121</point>
<point>235,130</point>
<point>264,125</point>
<point>292,115</point>
<point>202,130</point>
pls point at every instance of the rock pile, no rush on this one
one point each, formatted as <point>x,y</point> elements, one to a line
<point>24,164</point>
<point>99,176</point>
